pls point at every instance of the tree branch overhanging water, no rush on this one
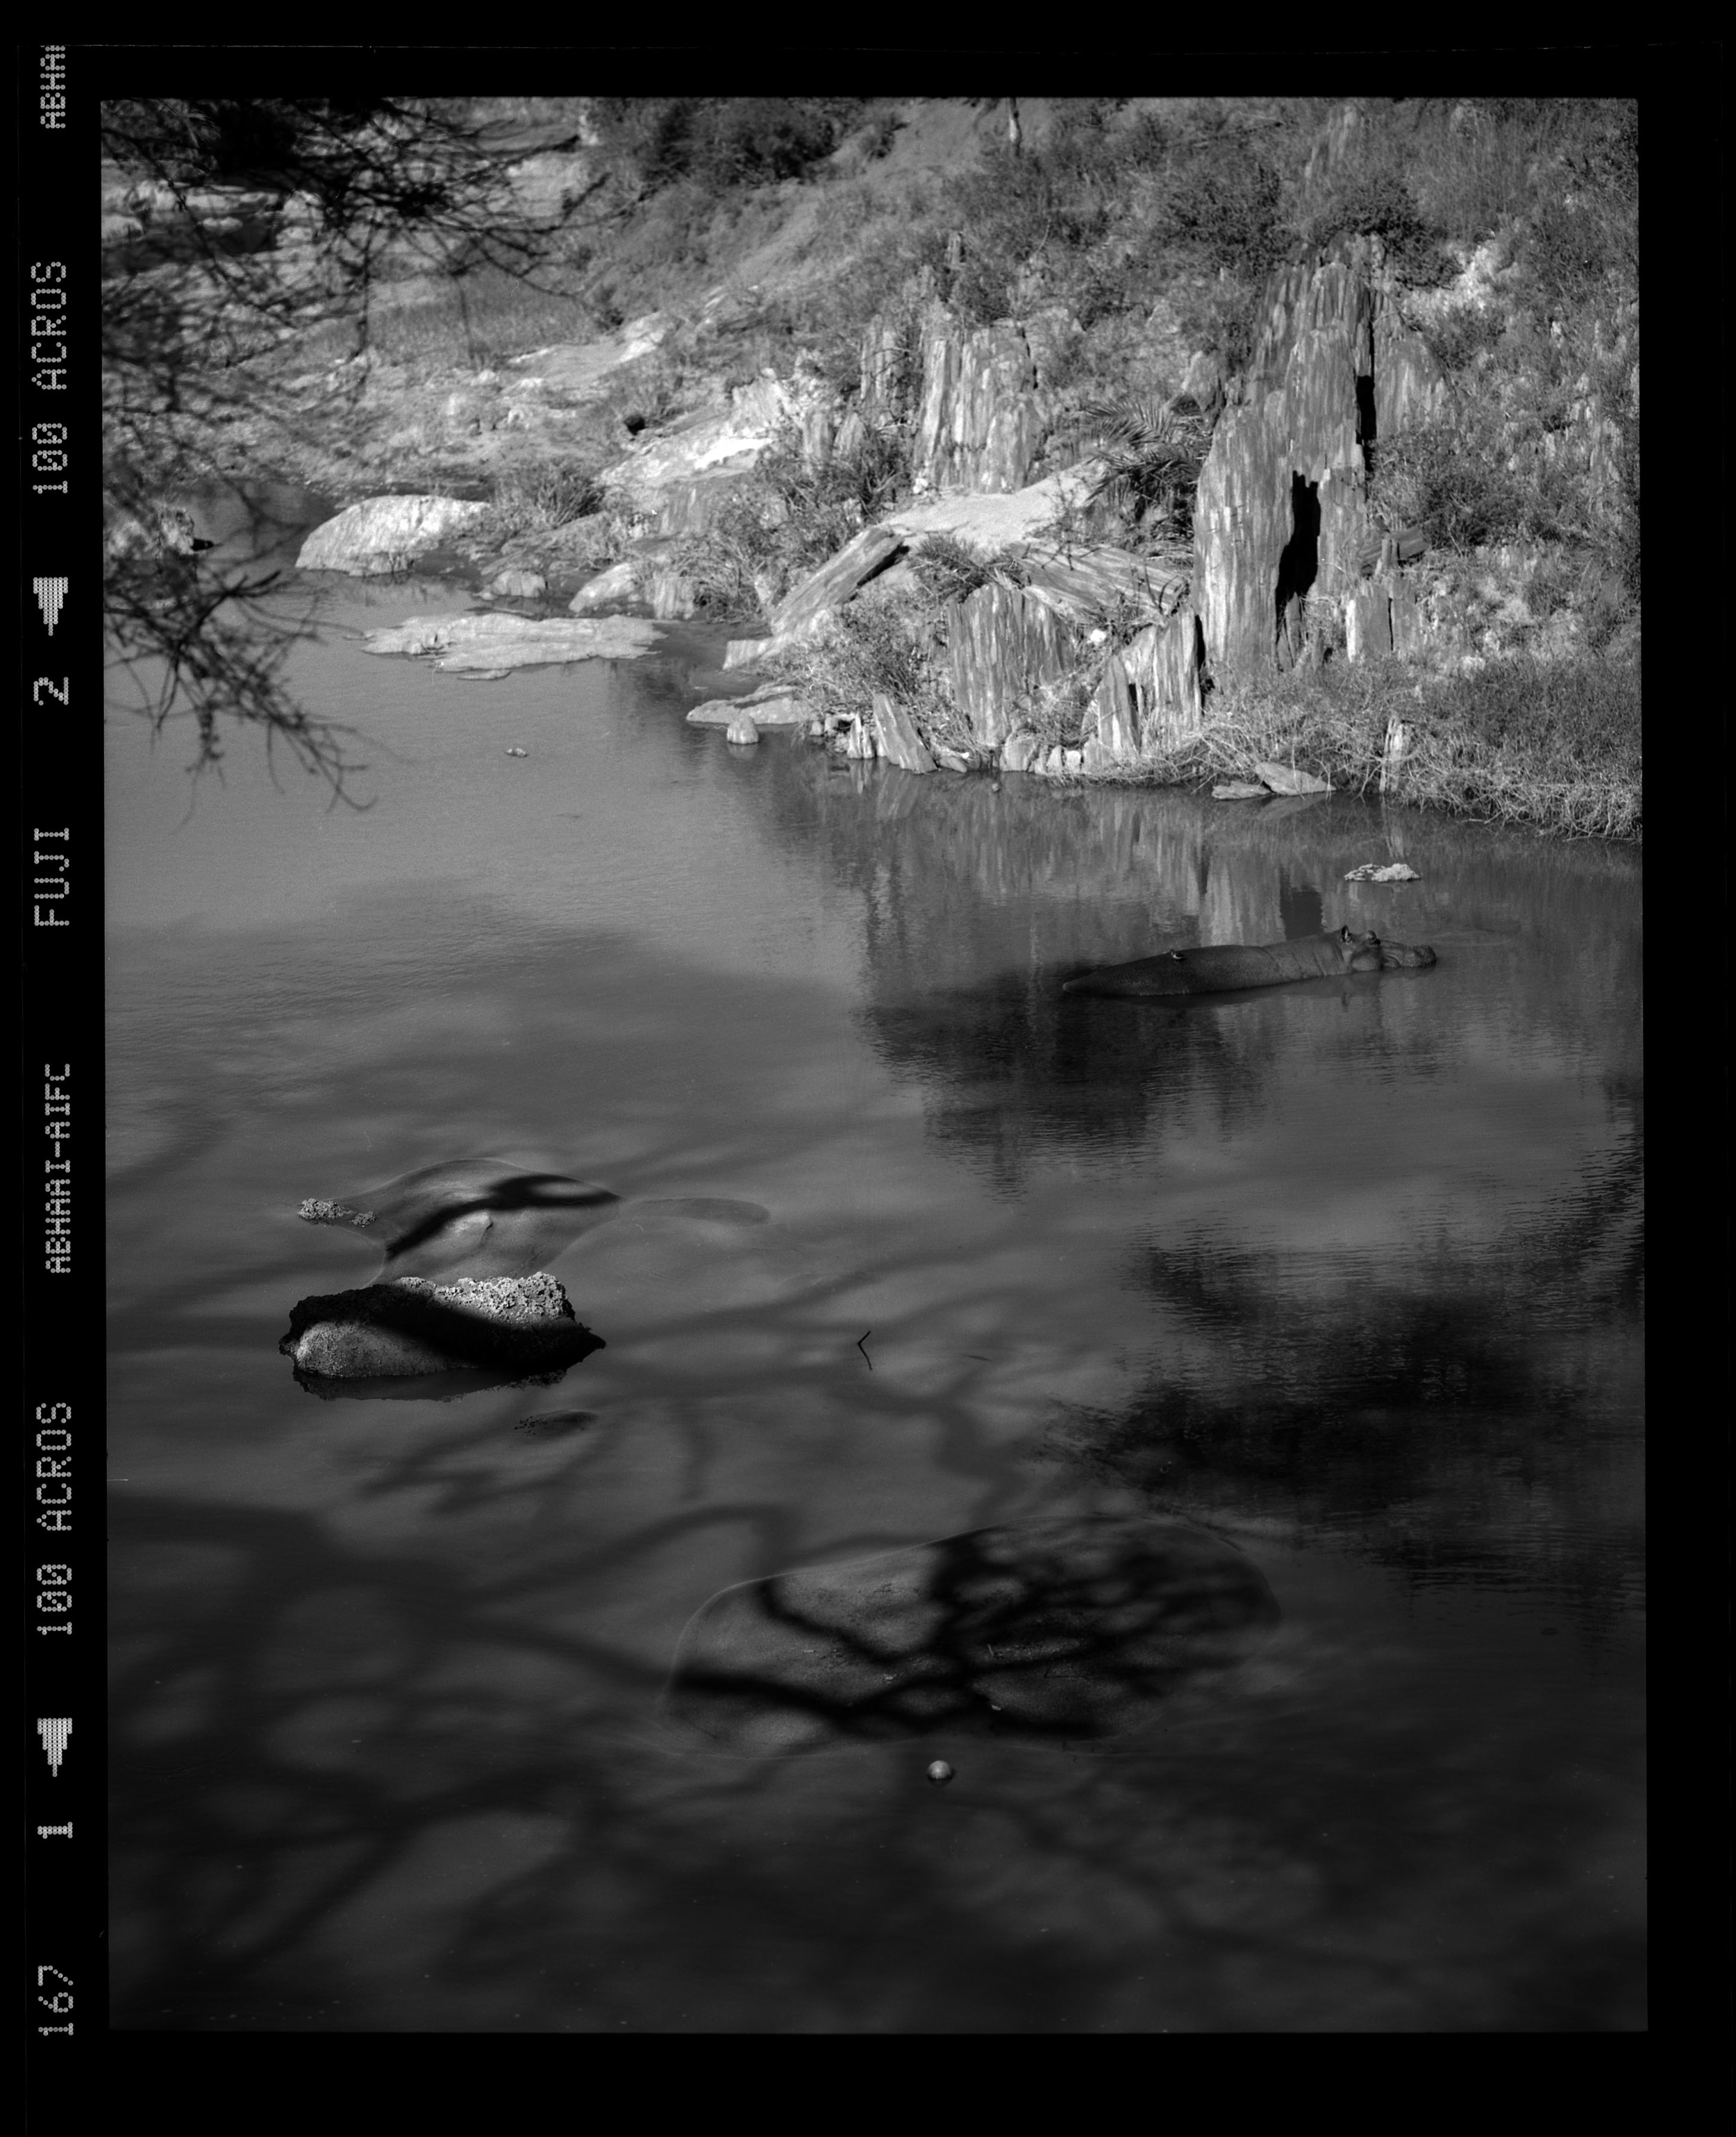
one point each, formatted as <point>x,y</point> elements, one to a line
<point>256,222</point>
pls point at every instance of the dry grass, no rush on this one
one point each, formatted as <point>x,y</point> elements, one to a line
<point>1555,746</point>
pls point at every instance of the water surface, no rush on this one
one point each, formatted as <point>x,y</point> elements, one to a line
<point>1348,1273</point>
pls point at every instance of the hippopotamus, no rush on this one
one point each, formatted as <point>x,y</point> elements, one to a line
<point>1218,968</point>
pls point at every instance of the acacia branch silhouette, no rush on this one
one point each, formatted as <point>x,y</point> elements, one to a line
<point>249,225</point>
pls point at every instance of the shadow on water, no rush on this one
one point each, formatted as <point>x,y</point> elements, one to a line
<point>361,1789</point>
<point>450,1386</point>
<point>477,1218</point>
<point>1075,1628</point>
<point>1472,1423</point>
<point>386,1675</point>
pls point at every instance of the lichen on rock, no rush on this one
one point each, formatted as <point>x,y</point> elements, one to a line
<point>412,1325</point>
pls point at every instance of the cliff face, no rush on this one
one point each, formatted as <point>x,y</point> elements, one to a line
<point>1282,513</point>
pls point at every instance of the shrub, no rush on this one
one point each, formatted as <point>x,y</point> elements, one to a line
<point>789,518</point>
<point>719,141</point>
<point>951,571</point>
<point>1222,200</point>
<point>1463,332</point>
<point>1152,457</point>
<point>545,496</point>
<point>1448,476</point>
<point>890,639</point>
<point>1375,199</point>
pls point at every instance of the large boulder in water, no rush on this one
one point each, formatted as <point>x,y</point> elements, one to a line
<point>1068,1627</point>
<point>383,533</point>
<point>412,1325</point>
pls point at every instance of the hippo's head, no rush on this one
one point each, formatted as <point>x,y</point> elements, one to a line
<point>1401,957</point>
<point>1362,953</point>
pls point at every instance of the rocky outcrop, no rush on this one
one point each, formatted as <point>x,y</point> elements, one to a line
<point>979,423</point>
<point>895,737</point>
<point>1409,384</point>
<point>1285,779</point>
<point>385,533</point>
<point>1083,583</point>
<point>494,640</point>
<point>771,706</point>
<point>668,592</point>
<point>614,585</point>
<point>836,580</point>
<point>1282,513</point>
<point>581,371</point>
<point>514,583</point>
<point>794,619</point>
<point>1151,694</point>
<point>165,530</point>
<point>1064,1627</point>
<point>412,1325</point>
<point>656,480</point>
<point>1003,646</point>
<point>889,368</point>
<point>690,508</point>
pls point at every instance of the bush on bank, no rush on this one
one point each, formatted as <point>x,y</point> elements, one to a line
<point>1552,744</point>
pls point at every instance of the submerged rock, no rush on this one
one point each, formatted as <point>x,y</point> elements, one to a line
<point>1064,1628</point>
<point>412,1325</point>
<point>383,533</point>
<point>484,639</point>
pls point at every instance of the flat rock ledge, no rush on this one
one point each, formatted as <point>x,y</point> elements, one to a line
<point>490,642</point>
<point>1066,1627</point>
<point>412,1325</point>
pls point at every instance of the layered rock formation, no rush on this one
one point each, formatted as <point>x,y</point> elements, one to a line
<point>979,423</point>
<point>1150,696</point>
<point>1003,647</point>
<point>1282,518</point>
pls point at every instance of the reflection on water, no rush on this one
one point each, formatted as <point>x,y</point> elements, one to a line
<point>911,1245</point>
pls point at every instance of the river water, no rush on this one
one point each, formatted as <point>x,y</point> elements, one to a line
<point>1348,1272</point>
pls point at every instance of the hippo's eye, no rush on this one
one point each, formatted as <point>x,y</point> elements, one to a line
<point>1175,957</point>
